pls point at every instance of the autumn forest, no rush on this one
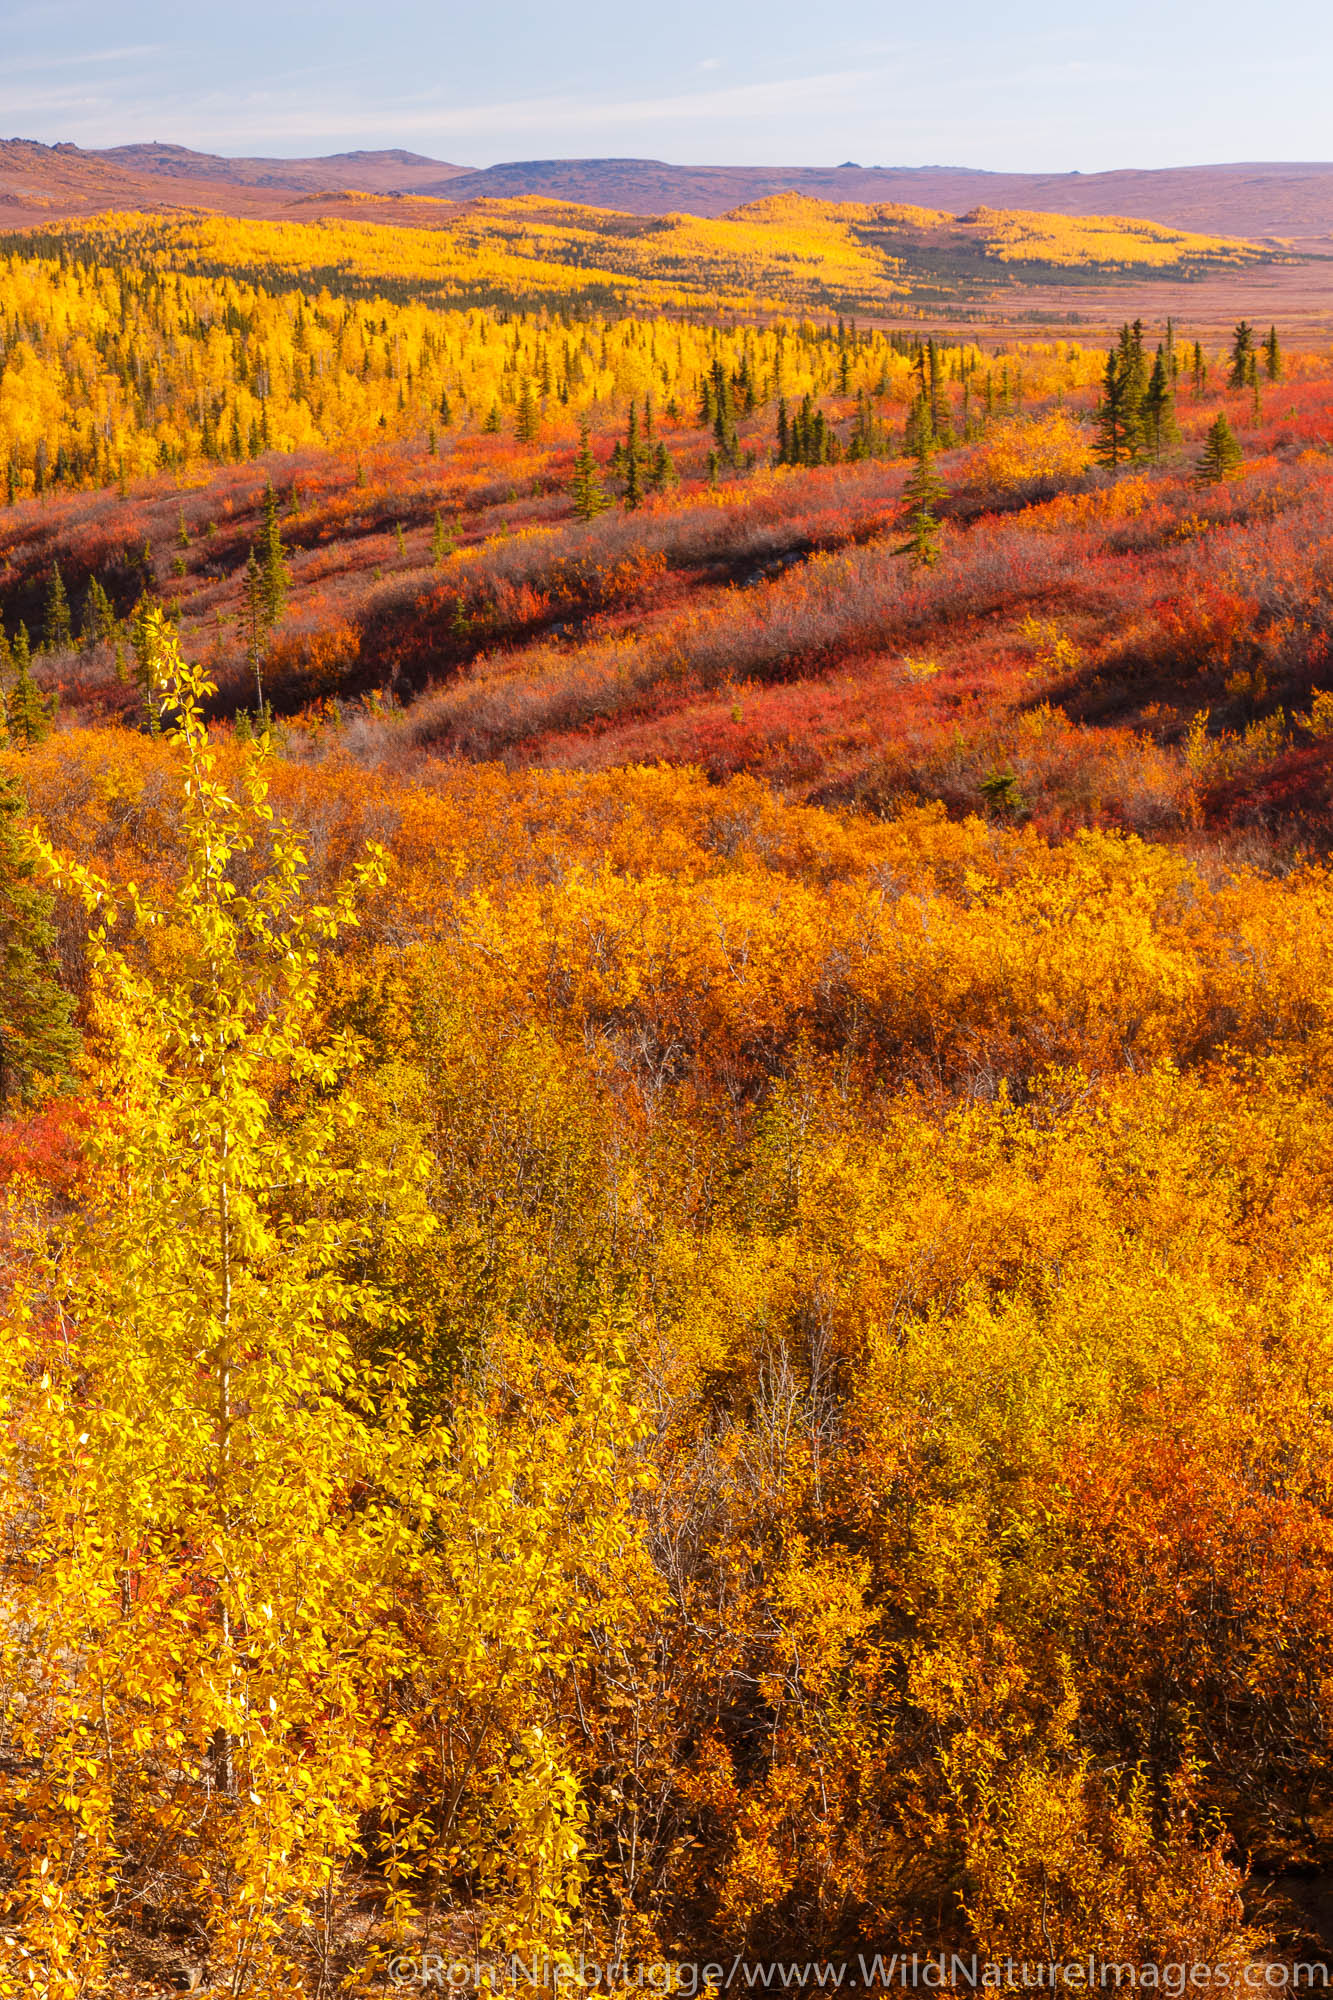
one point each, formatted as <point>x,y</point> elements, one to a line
<point>665,1055</point>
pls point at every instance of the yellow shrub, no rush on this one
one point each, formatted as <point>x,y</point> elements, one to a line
<point>1054,446</point>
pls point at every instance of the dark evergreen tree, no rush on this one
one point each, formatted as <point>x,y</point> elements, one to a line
<point>921,495</point>
<point>1242,357</point>
<point>633,463</point>
<point>810,438</point>
<point>585,488</point>
<point>28,713</point>
<point>1112,429</point>
<point>1222,456</point>
<point>273,561</point>
<point>441,541</point>
<point>36,1033</point>
<point>725,441</point>
<point>256,623</point>
<point>529,417</point>
<point>662,473</point>
<point>1160,429</point>
<point>1134,376</point>
<point>99,617</point>
<point>1272,356</point>
<point>941,423</point>
<point>867,439</point>
<point>919,425</point>
<point>57,626</point>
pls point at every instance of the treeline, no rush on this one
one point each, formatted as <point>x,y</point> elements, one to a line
<point>1136,416</point>
<point>109,372</point>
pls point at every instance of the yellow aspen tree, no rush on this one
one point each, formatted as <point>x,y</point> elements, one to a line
<point>269,1619</point>
<point>208,1563</point>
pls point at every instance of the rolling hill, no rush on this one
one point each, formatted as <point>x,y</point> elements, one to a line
<point>40,182</point>
<point>374,172</point>
<point>1253,199</point>
<point>779,254</point>
<point>1259,199</point>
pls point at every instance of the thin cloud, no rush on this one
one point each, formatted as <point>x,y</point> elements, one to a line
<point>84,59</point>
<point>264,115</point>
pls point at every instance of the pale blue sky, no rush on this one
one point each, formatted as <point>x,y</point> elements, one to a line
<point>1012,84</point>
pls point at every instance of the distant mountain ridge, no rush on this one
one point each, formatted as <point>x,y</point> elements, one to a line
<point>382,172</point>
<point>1248,199</point>
<point>1254,199</point>
<point>41,183</point>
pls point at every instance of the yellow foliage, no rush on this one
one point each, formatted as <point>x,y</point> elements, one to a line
<point>1021,236</point>
<point>1052,446</point>
<point>776,1375</point>
<point>152,344</point>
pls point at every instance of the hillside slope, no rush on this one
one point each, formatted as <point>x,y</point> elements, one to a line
<point>375,172</point>
<point>1255,199</point>
<point>39,183</point>
<point>775,255</point>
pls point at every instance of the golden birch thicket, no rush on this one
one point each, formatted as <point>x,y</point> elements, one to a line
<point>259,1599</point>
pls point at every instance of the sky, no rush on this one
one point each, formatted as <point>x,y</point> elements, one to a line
<point>1023,86</point>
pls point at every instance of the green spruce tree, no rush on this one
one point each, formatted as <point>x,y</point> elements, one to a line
<point>919,424</point>
<point>867,439</point>
<point>1242,357</point>
<point>1221,457</point>
<point>1134,377</point>
<point>57,626</point>
<point>662,474</point>
<point>585,488</point>
<point>1160,429</point>
<point>273,560</point>
<point>28,713</point>
<point>1112,446</point>
<point>726,443</point>
<point>529,416</point>
<point>923,491</point>
<point>632,462</point>
<point>98,623</point>
<point>256,623</point>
